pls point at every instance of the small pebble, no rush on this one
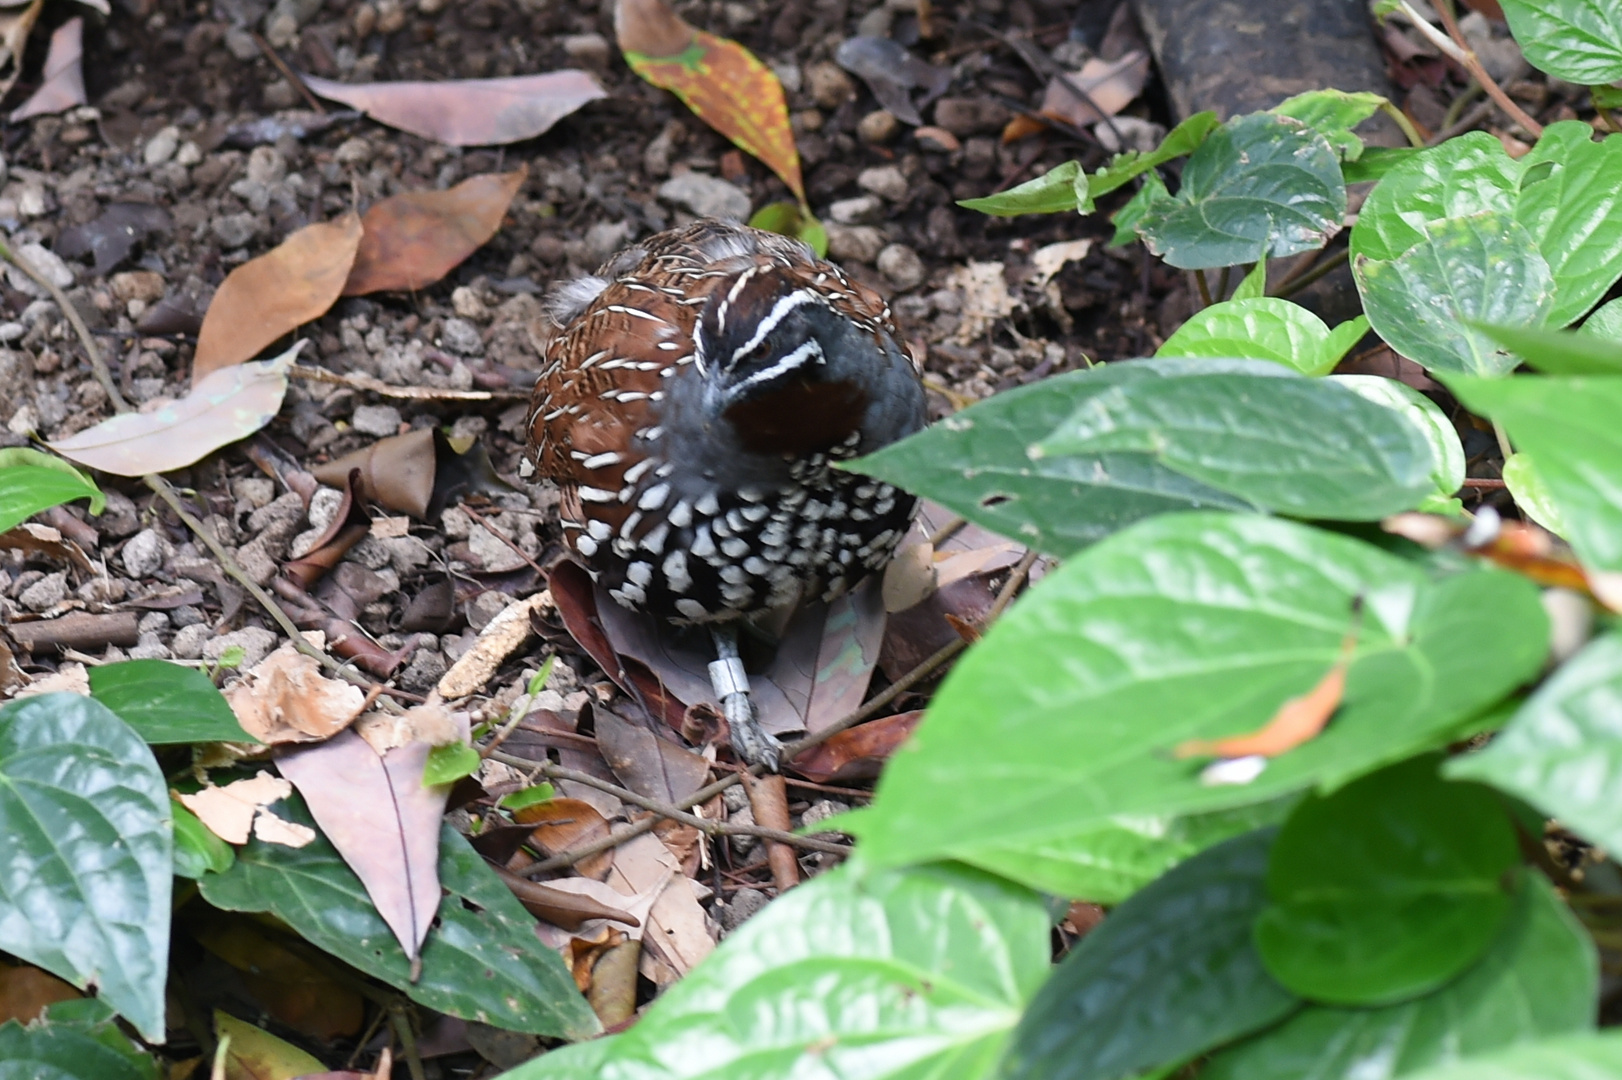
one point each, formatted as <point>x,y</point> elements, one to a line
<point>460,336</point>
<point>255,641</point>
<point>885,181</point>
<point>591,49</point>
<point>829,85</point>
<point>937,139</point>
<point>706,196</point>
<point>901,266</point>
<point>45,593</point>
<point>162,146</point>
<point>145,553</point>
<point>971,116</point>
<point>854,243</point>
<point>879,126</point>
<point>235,230</point>
<point>376,420</point>
<point>189,640</point>
<point>862,210</point>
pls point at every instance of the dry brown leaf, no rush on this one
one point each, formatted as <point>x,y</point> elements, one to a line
<point>498,640</point>
<point>415,238</point>
<point>290,988</point>
<point>63,85</point>
<point>675,931</point>
<point>264,298</point>
<point>397,472</point>
<point>15,26</point>
<point>910,577</point>
<point>648,764</point>
<point>229,811</point>
<point>273,830</point>
<point>1296,721</point>
<point>25,991</point>
<point>228,405</point>
<point>1108,85</point>
<point>285,699</point>
<point>568,909</point>
<point>468,112</point>
<point>857,754</point>
<point>384,822</point>
<point>430,723</point>
<point>563,823</point>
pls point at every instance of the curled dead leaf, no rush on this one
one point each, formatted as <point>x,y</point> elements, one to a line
<point>415,238</point>
<point>63,85</point>
<point>1297,720</point>
<point>468,112</point>
<point>285,699</point>
<point>228,405</point>
<point>230,812</point>
<point>264,298</point>
<point>15,26</point>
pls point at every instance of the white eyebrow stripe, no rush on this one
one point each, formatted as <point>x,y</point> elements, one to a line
<point>779,312</point>
<point>788,363</point>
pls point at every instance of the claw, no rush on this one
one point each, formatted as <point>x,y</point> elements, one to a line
<point>750,741</point>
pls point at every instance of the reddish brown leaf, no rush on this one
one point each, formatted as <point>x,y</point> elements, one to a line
<point>396,472</point>
<point>857,754</point>
<point>724,83</point>
<point>415,238</point>
<point>559,907</point>
<point>1101,88</point>
<point>264,298</point>
<point>468,112</point>
<point>63,85</point>
<point>290,988</point>
<point>25,991</point>
<point>649,765</point>
<point>383,821</point>
<point>561,824</point>
<point>230,404</point>
<point>1296,721</point>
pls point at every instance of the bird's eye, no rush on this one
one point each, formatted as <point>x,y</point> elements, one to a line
<point>759,354</point>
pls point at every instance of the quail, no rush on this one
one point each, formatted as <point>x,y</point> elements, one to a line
<point>691,408</point>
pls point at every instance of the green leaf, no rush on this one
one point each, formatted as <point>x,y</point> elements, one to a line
<point>1447,453</point>
<point>1483,268</point>
<point>1053,191</point>
<point>1387,888</point>
<point>1253,286</point>
<point>530,796</point>
<point>1539,978</point>
<point>1560,192</point>
<point>93,1018</point>
<point>449,763</point>
<point>166,703</point>
<point>85,884</point>
<point>1462,177</point>
<point>977,463</point>
<point>1333,114</point>
<point>1185,138</point>
<point>1569,425</point>
<point>1560,352</point>
<point>1265,328</point>
<point>1576,1057</point>
<point>574,1061</point>
<point>855,974</point>
<point>1579,41</point>
<point>1293,445</point>
<point>31,481</point>
<point>49,1052</point>
<point>481,961</point>
<point>1605,322</point>
<point>198,850</point>
<point>1375,163</point>
<point>1531,494</point>
<point>1562,752</point>
<point>1192,626</point>
<point>1126,219</point>
<point>1259,186</point>
<point>789,218</point>
<point>1108,862</point>
<point>1574,213</point>
<point>1169,975</point>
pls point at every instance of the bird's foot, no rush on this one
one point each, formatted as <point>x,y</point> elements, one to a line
<point>753,743</point>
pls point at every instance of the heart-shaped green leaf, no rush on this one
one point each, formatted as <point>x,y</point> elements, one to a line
<point>1482,268</point>
<point>1169,975</point>
<point>31,481</point>
<point>1539,978</point>
<point>1387,888</point>
<point>1576,1057</point>
<point>1579,41</point>
<point>166,703</point>
<point>85,883</point>
<point>1265,328</point>
<point>1192,626</point>
<point>1259,186</point>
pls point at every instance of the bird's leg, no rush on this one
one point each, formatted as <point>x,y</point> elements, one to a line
<point>751,742</point>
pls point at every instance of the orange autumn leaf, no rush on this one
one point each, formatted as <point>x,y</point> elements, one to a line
<point>724,83</point>
<point>417,237</point>
<point>264,298</point>
<point>1296,721</point>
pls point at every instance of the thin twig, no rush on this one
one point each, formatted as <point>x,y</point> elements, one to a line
<point>1321,268</point>
<point>665,809</point>
<point>1484,483</point>
<point>1467,122</point>
<point>514,548</point>
<point>1205,288</point>
<point>289,74</point>
<point>1472,64</point>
